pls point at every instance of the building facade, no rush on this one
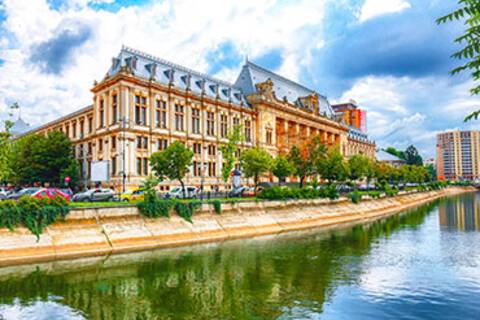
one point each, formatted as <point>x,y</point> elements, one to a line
<point>458,155</point>
<point>144,103</point>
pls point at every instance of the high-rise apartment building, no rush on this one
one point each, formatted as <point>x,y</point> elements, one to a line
<point>458,155</point>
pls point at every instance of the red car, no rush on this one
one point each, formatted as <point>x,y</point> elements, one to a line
<point>50,193</point>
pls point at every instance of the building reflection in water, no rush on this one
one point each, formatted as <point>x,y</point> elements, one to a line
<point>461,214</point>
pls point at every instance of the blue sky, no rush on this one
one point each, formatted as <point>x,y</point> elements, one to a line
<point>388,55</point>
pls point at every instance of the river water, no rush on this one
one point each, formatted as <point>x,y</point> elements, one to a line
<point>423,264</point>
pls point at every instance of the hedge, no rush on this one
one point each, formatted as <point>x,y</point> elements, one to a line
<point>32,213</point>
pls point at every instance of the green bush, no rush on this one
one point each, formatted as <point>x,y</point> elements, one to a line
<point>331,192</point>
<point>355,196</point>
<point>154,207</point>
<point>217,206</point>
<point>32,213</point>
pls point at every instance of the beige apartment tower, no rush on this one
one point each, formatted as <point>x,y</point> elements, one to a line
<point>458,155</point>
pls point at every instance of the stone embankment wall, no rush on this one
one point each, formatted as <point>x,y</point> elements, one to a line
<point>101,231</point>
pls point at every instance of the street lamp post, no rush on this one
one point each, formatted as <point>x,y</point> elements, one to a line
<point>125,125</point>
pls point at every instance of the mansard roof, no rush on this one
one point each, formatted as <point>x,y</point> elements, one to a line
<point>284,88</point>
<point>147,66</point>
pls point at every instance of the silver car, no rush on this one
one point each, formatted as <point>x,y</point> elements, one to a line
<point>94,195</point>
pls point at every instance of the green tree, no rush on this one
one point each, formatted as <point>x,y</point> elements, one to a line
<point>72,171</point>
<point>254,163</point>
<point>412,157</point>
<point>228,151</point>
<point>432,172</point>
<point>5,151</point>
<point>43,159</point>
<point>306,158</point>
<point>359,167</point>
<point>282,168</point>
<point>333,167</point>
<point>469,54</point>
<point>172,163</point>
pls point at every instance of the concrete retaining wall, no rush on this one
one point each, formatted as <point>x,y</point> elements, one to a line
<point>101,231</point>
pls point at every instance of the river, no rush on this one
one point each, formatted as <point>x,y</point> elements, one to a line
<point>423,264</point>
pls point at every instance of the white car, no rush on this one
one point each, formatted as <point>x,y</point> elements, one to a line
<point>177,193</point>
<point>3,194</point>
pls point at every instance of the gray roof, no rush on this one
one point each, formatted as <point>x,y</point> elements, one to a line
<point>165,72</point>
<point>252,74</point>
<point>385,156</point>
<point>19,127</point>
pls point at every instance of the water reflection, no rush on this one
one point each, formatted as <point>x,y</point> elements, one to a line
<point>335,274</point>
<point>461,213</point>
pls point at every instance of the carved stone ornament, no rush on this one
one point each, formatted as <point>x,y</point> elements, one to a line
<point>266,89</point>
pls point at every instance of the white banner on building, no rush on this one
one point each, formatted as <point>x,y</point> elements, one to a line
<point>100,171</point>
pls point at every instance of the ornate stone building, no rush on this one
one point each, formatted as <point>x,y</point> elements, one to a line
<point>144,103</point>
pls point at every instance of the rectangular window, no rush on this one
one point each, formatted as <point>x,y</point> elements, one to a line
<point>140,110</point>
<point>90,125</point>
<point>114,166</point>
<point>197,148</point>
<point>269,136</point>
<point>139,166</point>
<point>100,145</point>
<point>210,123</point>
<point>248,131</point>
<point>161,114</point>
<point>74,129</point>
<point>114,109</point>
<point>195,169</point>
<point>212,150</point>
<point>196,121</point>
<point>142,142</point>
<point>67,131</point>
<point>145,166</point>
<point>236,121</point>
<point>82,126</point>
<point>101,114</point>
<point>162,144</point>
<point>212,169</point>
<point>145,142</point>
<point>89,148</point>
<point>223,125</point>
<point>179,113</point>
<point>114,142</point>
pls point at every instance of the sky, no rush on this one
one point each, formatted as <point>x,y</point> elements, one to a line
<point>387,55</point>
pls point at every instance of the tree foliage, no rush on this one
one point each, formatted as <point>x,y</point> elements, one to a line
<point>359,167</point>
<point>412,157</point>
<point>333,167</point>
<point>5,150</point>
<point>306,158</point>
<point>469,54</point>
<point>172,163</point>
<point>255,162</point>
<point>228,151</point>
<point>42,159</point>
<point>282,168</point>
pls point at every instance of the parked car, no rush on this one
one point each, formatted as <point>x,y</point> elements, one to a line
<point>67,191</point>
<point>50,193</point>
<point>132,195</point>
<point>177,193</point>
<point>238,192</point>
<point>22,192</point>
<point>94,195</point>
<point>3,194</point>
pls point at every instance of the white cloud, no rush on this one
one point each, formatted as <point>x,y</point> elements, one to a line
<point>184,32</point>
<point>403,110</point>
<point>375,8</point>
